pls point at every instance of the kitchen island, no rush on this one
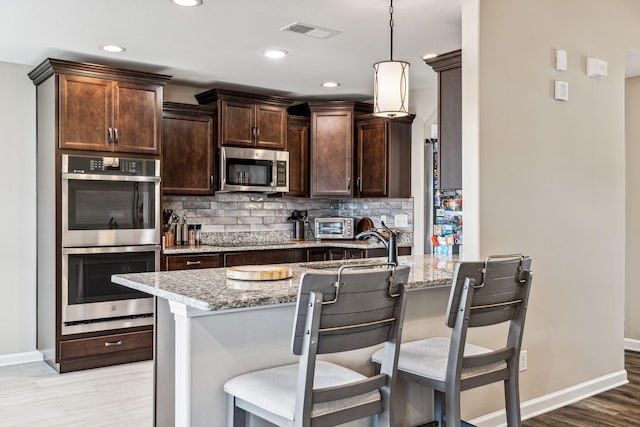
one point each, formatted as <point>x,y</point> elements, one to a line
<point>210,329</point>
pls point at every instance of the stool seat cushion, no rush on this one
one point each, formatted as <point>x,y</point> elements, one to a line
<point>274,389</point>
<point>428,358</point>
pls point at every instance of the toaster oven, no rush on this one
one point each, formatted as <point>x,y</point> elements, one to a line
<point>334,228</point>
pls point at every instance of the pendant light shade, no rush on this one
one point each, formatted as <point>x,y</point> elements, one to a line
<point>391,89</point>
<point>391,83</point>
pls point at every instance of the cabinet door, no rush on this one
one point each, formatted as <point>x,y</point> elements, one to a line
<point>270,256</point>
<point>372,154</point>
<point>331,154</point>
<point>187,154</point>
<point>450,128</point>
<point>271,123</point>
<point>86,113</point>
<point>138,113</point>
<point>237,123</point>
<point>298,147</point>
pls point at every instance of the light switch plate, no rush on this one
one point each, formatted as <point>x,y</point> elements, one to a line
<point>401,220</point>
<point>597,68</point>
<point>561,91</point>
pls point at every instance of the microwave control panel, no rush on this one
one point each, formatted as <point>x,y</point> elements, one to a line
<point>281,173</point>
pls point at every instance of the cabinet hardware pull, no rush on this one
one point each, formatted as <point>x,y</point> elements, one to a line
<point>116,138</point>
<point>194,262</point>
<point>359,184</point>
<point>211,180</point>
<point>110,136</point>
<point>109,344</point>
<point>257,134</point>
<point>348,183</point>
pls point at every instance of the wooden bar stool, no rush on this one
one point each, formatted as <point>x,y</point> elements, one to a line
<point>336,312</point>
<point>482,294</point>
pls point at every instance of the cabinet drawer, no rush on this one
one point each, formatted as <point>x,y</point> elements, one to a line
<point>187,262</point>
<point>265,257</point>
<point>106,344</point>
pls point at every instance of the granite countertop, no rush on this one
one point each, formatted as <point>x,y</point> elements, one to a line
<point>210,290</point>
<point>347,244</point>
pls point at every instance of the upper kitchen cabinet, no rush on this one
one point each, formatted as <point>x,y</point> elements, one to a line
<point>247,120</point>
<point>105,109</point>
<point>332,148</point>
<point>383,156</point>
<point>188,149</point>
<point>449,69</point>
<point>298,147</point>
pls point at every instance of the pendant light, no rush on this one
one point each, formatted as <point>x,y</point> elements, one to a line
<point>391,83</point>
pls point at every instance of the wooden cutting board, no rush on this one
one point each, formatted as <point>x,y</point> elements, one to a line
<point>259,272</point>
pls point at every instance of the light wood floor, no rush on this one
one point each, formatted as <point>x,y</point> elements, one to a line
<point>33,394</point>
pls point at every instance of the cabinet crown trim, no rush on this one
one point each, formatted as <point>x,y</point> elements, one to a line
<point>213,95</point>
<point>51,66</point>
<point>446,61</point>
<point>191,109</point>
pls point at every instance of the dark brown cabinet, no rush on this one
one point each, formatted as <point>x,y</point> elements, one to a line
<point>248,120</point>
<point>192,262</point>
<point>449,69</point>
<point>383,156</point>
<point>273,256</point>
<point>188,149</point>
<point>331,149</point>
<point>101,114</point>
<point>298,147</point>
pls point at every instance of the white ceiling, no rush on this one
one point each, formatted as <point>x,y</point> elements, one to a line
<point>219,43</point>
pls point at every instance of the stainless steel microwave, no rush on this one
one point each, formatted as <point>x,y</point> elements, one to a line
<point>334,228</point>
<point>254,170</point>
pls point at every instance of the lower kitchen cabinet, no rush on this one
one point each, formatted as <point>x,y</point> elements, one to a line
<point>106,350</point>
<point>274,256</point>
<point>188,262</point>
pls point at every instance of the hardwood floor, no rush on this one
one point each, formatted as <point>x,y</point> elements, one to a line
<point>33,395</point>
<point>619,407</point>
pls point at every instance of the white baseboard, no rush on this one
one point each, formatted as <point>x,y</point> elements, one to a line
<point>540,405</point>
<point>630,344</point>
<point>18,358</point>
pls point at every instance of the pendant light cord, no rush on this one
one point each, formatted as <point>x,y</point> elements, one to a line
<point>391,30</point>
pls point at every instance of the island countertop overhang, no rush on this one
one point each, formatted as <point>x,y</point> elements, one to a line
<point>210,289</point>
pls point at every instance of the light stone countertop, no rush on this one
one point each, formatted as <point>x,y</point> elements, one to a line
<point>347,244</point>
<point>210,290</point>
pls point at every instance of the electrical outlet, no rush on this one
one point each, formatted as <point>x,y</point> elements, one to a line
<point>401,220</point>
<point>523,360</point>
<point>383,218</point>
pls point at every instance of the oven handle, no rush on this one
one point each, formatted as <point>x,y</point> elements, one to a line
<point>110,249</point>
<point>89,177</point>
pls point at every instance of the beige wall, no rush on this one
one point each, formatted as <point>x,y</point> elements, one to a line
<point>548,177</point>
<point>632,224</point>
<point>18,178</point>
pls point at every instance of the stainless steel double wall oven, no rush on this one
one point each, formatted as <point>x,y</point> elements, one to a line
<point>110,225</point>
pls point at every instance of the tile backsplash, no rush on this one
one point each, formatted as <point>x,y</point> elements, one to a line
<point>254,212</point>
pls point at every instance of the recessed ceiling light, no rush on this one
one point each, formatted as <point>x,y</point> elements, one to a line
<point>187,3</point>
<point>429,56</point>
<point>113,48</point>
<point>330,84</point>
<point>275,53</point>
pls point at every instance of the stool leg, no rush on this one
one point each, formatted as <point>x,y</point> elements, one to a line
<point>236,417</point>
<point>438,413</point>
<point>512,399</point>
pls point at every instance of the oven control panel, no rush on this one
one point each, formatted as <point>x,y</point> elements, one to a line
<point>109,166</point>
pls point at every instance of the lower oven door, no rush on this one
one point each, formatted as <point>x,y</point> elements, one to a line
<point>91,302</point>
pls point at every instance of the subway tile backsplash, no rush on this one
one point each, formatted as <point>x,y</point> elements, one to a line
<point>253,212</point>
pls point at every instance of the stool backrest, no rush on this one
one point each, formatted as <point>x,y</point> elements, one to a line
<point>360,307</point>
<point>488,293</point>
<point>345,311</point>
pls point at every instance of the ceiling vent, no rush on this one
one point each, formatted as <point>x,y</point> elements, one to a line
<point>310,30</point>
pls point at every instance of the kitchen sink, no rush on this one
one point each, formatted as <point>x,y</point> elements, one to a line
<point>334,265</point>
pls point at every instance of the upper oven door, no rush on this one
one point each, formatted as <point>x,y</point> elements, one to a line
<point>110,210</point>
